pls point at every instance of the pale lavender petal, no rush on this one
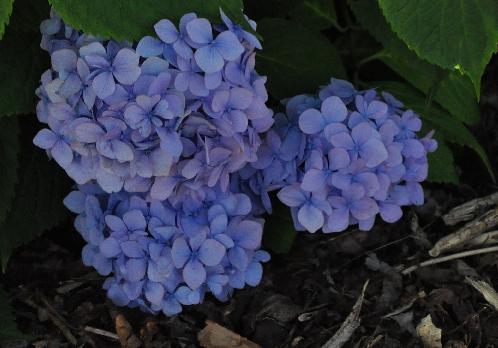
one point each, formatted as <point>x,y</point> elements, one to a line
<point>390,212</point>
<point>194,274</point>
<point>180,252</point>
<point>334,110</point>
<point>103,85</point>
<point>311,218</point>
<point>45,139</point>
<point>89,132</point>
<point>228,45</point>
<point>337,221</point>
<point>135,269</point>
<point>311,121</point>
<point>62,153</point>
<point>149,47</point>
<point>211,252</point>
<point>364,208</point>
<point>209,59</point>
<point>166,31</point>
<point>314,180</point>
<point>199,30</point>
<point>125,64</point>
<point>291,196</point>
<point>373,152</point>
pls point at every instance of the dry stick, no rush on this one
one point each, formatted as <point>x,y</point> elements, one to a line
<point>349,325</point>
<point>101,332</point>
<point>468,210</point>
<point>486,290</point>
<point>449,258</point>
<point>463,235</point>
<point>55,320</point>
<point>487,238</point>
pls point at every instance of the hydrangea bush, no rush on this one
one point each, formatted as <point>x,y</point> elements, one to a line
<point>174,153</point>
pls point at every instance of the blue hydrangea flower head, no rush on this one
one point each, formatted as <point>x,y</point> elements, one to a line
<point>154,135</point>
<point>341,158</point>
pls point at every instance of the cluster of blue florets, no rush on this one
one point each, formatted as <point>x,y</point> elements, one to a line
<point>341,158</point>
<point>152,134</point>
<point>174,153</point>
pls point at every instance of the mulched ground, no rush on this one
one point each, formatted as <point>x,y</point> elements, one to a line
<point>305,295</point>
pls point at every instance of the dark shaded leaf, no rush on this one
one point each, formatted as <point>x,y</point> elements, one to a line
<point>295,59</point>
<point>131,20</point>
<point>38,199</point>
<point>5,11</point>
<point>315,14</point>
<point>9,149</point>
<point>21,59</point>
<point>453,90</point>
<point>448,33</point>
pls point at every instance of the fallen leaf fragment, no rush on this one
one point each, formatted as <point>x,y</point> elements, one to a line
<point>125,333</point>
<point>429,333</point>
<point>216,336</point>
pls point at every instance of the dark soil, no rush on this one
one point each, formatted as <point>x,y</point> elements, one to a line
<point>306,294</point>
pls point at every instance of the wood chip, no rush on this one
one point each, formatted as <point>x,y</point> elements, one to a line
<point>469,210</point>
<point>216,336</point>
<point>486,290</point>
<point>125,332</point>
<point>429,333</point>
<point>349,325</point>
<point>470,231</point>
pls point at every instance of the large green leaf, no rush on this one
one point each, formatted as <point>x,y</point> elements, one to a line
<point>9,149</point>
<point>442,165</point>
<point>8,327</point>
<point>132,19</point>
<point>38,201</point>
<point>295,59</point>
<point>5,11</point>
<point>314,14</point>
<point>453,90</point>
<point>447,127</point>
<point>21,59</point>
<point>449,33</point>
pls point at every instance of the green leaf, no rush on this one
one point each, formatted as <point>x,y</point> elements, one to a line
<point>21,59</point>
<point>448,33</point>
<point>315,14</point>
<point>38,202</point>
<point>453,90</point>
<point>9,149</point>
<point>442,165</point>
<point>279,234</point>
<point>446,126</point>
<point>131,19</point>
<point>5,11</point>
<point>295,59</point>
<point>8,327</point>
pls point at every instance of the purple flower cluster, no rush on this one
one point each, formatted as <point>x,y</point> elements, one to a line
<point>341,158</point>
<point>153,135</point>
<point>161,255</point>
